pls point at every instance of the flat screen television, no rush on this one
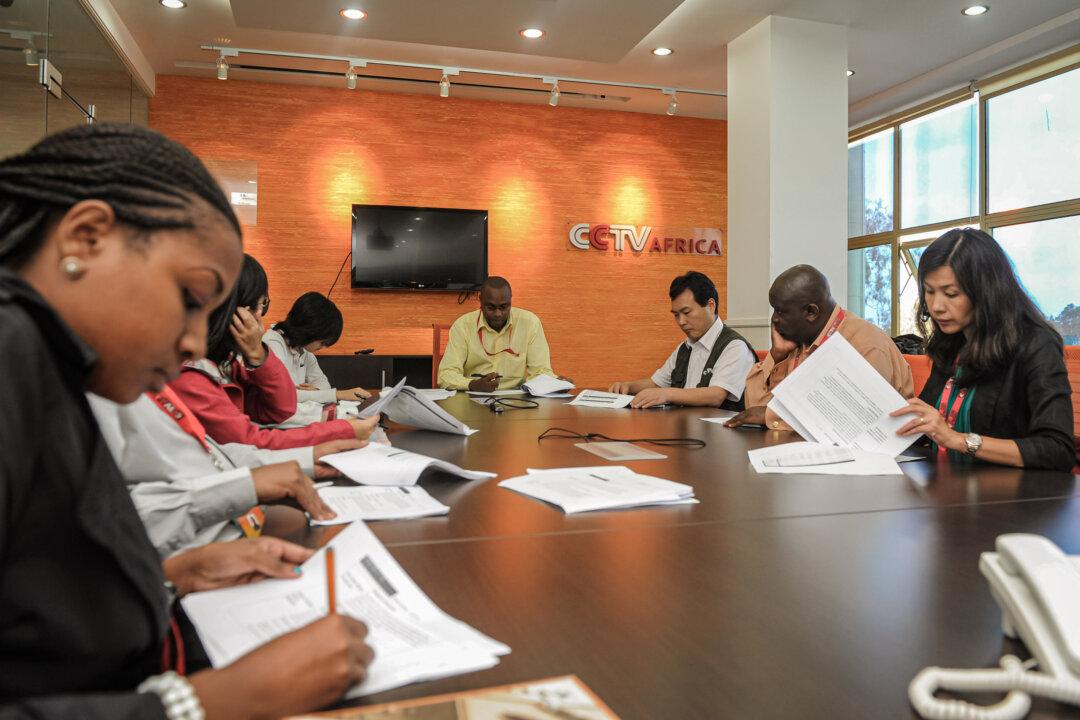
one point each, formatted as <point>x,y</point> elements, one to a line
<point>409,248</point>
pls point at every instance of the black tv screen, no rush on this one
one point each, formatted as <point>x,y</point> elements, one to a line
<point>418,248</point>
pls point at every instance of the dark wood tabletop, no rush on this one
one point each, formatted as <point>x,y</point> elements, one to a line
<point>778,596</point>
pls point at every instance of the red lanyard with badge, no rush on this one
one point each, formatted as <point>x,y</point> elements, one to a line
<point>833,327</point>
<point>950,411</point>
<point>251,522</point>
<point>508,350</point>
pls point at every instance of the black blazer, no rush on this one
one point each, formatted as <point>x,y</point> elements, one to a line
<point>1029,402</point>
<point>82,607</point>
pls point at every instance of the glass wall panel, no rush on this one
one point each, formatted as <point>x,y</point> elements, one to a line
<point>870,185</point>
<point>1046,256</point>
<point>870,285</point>
<point>1034,143</point>
<point>939,166</point>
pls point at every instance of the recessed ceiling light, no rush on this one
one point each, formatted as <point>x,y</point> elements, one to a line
<point>662,51</point>
<point>531,33</point>
<point>850,73</point>
<point>973,10</point>
<point>352,14</point>
<point>173,4</point>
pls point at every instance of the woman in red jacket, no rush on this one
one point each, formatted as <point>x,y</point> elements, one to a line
<point>239,383</point>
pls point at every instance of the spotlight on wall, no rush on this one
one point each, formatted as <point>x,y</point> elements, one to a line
<point>553,101</point>
<point>350,78</point>
<point>444,86</point>
<point>222,69</point>
<point>673,106</point>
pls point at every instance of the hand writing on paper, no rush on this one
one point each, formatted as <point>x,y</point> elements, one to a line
<point>929,422</point>
<point>488,383</point>
<point>247,331</point>
<point>284,483</point>
<point>298,672</point>
<point>650,397</point>
<point>353,394</point>
<point>224,564</point>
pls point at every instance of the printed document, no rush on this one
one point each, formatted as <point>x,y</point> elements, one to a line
<point>599,398</point>
<point>807,458</point>
<point>835,397</point>
<point>599,488</point>
<point>378,503</point>
<point>384,399</point>
<point>377,464</point>
<point>413,639</point>
<point>548,386</point>
<point>411,407</point>
<point>619,451</point>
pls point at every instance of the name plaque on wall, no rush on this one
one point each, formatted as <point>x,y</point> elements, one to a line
<point>645,239</point>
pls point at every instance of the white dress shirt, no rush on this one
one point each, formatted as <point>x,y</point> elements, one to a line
<point>729,372</point>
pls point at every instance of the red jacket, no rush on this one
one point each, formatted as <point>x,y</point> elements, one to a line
<point>229,409</point>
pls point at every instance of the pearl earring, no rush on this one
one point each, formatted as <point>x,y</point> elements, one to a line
<point>73,267</point>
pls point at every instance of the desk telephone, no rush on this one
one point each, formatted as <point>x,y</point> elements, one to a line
<point>1038,589</point>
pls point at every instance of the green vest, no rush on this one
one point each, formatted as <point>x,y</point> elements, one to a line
<point>682,363</point>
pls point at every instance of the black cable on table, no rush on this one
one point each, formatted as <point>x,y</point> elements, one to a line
<point>564,434</point>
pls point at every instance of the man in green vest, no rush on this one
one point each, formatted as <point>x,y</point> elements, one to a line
<point>710,368</point>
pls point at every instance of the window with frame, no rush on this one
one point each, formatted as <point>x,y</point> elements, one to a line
<point>1007,162</point>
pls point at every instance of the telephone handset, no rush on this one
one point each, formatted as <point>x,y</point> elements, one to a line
<point>1038,589</point>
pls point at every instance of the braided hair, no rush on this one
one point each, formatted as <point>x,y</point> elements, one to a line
<point>149,181</point>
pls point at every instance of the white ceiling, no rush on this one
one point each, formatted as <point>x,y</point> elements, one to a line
<point>901,50</point>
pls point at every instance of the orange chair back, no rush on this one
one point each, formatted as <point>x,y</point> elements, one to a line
<point>1072,364</point>
<point>440,335</point>
<point>920,370</point>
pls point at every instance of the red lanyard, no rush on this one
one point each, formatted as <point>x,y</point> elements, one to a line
<point>171,404</point>
<point>833,327</point>
<point>950,411</point>
<point>509,340</point>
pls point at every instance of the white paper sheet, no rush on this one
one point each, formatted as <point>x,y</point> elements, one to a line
<point>413,639</point>
<point>619,451</point>
<point>608,487</point>
<point>378,503</point>
<point>863,463</point>
<point>410,407</point>
<point>385,465</point>
<point>722,417</point>
<point>384,400</point>
<point>496,393</point>
<point>436,393</point>
<point>548,386</point>
<point>838,398</point>
<point>599,398</point>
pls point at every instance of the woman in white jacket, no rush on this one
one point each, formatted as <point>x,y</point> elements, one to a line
<point>313,323</point>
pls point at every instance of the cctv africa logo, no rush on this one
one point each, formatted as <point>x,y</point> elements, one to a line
<point>646,239</point>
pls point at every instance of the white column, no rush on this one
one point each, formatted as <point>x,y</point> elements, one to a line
<point>787,162</point>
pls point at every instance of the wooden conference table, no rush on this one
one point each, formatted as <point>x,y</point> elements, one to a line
<point>778,596</point>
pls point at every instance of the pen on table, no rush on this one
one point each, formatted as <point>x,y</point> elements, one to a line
<point>480,375</point>
<point>747,426</point>
<point>331,600</point>
<point>599,478</point>
<point>319,485</point>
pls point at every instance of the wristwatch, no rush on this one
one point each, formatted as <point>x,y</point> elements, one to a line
<point>178,697</point>
<point>974,441</point>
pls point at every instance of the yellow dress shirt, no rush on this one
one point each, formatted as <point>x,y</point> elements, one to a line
<point>518,352</point>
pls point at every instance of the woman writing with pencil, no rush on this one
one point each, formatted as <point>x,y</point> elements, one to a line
<point>115,246</point>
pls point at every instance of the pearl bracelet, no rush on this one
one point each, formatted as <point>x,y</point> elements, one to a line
<point>177,696</point>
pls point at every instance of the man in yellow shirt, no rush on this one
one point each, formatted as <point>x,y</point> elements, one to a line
<point>497,347</point>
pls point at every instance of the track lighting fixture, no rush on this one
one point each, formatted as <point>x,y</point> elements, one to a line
<point>444,86</point>
<point>554,99</point>
<point>350,78</point>
<point>30,54</point>
<point>673,106</point>
<point>222,69</point>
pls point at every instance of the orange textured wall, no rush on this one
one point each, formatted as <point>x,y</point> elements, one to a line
<point>535,168</point>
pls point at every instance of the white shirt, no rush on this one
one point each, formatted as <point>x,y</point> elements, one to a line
<point>729,372</point>
<point>303,369</point>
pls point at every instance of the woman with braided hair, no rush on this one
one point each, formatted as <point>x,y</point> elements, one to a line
<point>115,246</point>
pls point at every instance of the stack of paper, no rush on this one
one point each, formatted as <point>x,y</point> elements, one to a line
<point>378,503</point>
<point>436,393</point>
<point>413,639</point>
<point>377,464</point>
<point>835,397</point>
<point>807,458</point>
<point>599,488</point>
<point>411,407</point>
<point>599,398</point>
<point>548,386</point>
<point>386,396</point>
